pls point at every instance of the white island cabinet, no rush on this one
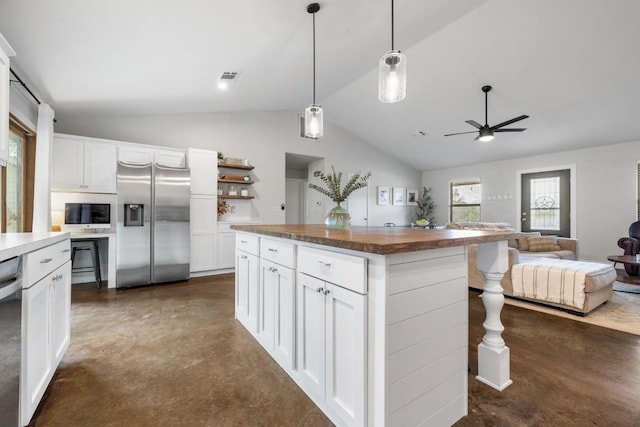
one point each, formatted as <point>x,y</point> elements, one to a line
<point>381,318</point>
<point>46,309</point>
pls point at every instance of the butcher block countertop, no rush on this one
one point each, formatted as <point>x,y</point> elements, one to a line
<point>377,240</point>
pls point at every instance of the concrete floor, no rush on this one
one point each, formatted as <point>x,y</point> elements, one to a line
<point>173,355</point>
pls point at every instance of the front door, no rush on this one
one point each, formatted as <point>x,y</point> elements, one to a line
<point>546,202</point>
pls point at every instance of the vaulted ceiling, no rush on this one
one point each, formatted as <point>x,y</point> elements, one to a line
<point>572,65</point>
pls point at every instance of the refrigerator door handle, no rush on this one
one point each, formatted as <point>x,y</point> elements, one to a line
<point>134,165</point>
<point>170,168</point>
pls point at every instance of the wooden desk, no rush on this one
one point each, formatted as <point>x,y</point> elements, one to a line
<point>622,274</point>
<point>111,253</point>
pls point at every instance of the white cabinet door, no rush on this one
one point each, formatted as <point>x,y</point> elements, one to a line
<point>203,252</point>
<point>226,248</point>
<point>136,155</point>
<point>204,171</point>
<point>100,167</point>
<point>247,284</point>
<point>284,322</point>
<point>345,354</point>
<point>36,363</point>
<point>60,312</point>
<point>171,158</point>
<point>267,304</point>
<point>67,168</point>
<point>311,335</point>
<point>203,214</point>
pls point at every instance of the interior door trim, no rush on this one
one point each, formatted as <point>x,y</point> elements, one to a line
<point>572,178</point>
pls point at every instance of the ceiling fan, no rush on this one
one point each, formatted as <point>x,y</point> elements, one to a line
<point>486,131</point>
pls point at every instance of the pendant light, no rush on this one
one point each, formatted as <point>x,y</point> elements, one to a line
<point>392,73</point>
<point>313,113</point>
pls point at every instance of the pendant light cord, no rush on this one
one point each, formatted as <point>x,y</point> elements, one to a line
<point>314,57</point>
<point>392,25</point>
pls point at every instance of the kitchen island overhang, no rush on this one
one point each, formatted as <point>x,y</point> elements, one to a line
<point>406,270</point>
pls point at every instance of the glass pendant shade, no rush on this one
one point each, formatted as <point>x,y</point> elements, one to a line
<point>392,77</point>
<point>313,121</point>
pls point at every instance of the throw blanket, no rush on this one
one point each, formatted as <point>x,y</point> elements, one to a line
<point>559,281</point>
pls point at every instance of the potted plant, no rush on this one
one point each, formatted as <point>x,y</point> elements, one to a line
<point>424,210</point>
<point>339,217</point>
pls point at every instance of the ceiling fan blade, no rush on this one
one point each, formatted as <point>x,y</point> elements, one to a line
<point>474,123</point>
<point>461,133</point>
<point>476,138</point>
<point>508,122</point>
<point>510,130</point>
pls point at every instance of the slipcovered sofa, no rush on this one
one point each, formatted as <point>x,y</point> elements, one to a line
<point>598,288</point>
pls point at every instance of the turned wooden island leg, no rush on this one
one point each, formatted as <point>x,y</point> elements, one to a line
<point>493,354</point>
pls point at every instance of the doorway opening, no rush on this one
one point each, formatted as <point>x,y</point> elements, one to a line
<point>302,206</point>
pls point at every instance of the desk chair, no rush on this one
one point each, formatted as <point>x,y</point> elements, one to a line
<point>88,244</point>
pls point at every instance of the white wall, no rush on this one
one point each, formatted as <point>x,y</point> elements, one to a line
<point>263,138</point>
<point>605,192</point>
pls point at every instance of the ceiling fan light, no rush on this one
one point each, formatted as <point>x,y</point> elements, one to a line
<point>392,77</point>
<point>486,135</point>
<point>313,121</point>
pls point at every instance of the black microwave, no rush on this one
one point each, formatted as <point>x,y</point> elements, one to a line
<point>87,215</point>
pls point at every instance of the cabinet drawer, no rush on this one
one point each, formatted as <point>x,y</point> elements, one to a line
<point>279,252</point>
<point>248,243</point>
<point>43,261</point>
<point>343,270</point>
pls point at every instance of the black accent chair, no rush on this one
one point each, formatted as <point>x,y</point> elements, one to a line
<point>631,246</point>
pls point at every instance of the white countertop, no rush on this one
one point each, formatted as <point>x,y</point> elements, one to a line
<point>14,244</point>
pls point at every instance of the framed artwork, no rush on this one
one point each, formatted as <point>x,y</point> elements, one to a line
<point>398,196</point>
<point>384,195</point>
<point>412,197</point>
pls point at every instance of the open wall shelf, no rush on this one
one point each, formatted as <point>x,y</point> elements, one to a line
<point>234,181</point>
<point>230,166</point>
<point>235,197</point>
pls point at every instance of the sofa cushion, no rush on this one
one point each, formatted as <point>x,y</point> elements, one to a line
<point>562,254</point>
<point>543,244</point>
<point>523,240</point>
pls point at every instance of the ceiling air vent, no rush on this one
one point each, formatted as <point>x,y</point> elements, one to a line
<point>226,78</point>
<point>229,75</point>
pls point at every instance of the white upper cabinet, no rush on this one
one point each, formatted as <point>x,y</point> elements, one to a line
<point>204,171</point>
<point>141,154</point>
<point>5,71</point>
<point>171,158</point>
<point>83,166</point>
<point>135,154</point>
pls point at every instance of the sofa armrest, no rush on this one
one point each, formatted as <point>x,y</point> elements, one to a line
<point>567,244</point>
<point>630,245</point>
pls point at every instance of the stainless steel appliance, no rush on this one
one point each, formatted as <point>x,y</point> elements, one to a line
<point>10,341</point>
<point>153,224</point>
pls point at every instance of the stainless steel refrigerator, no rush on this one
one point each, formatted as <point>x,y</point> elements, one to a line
<point>153,224</point>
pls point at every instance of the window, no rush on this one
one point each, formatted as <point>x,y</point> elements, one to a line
<point>17,180</point>
<point>465,200</point>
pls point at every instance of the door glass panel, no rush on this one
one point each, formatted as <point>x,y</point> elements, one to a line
<point>14,184</point>
<point>545,203</point>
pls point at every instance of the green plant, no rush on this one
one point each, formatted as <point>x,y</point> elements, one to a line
<point>425,206</point>
<point>332,182</point>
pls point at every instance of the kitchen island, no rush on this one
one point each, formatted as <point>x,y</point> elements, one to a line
<point>42,290</point>
<point>372,323</point>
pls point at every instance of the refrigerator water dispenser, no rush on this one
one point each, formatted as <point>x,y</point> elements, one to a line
<point>133,215</point>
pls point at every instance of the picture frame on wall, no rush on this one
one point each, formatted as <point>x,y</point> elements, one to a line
<point>398,196</point>
<point>412,197</point>
<point>384,195</point>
